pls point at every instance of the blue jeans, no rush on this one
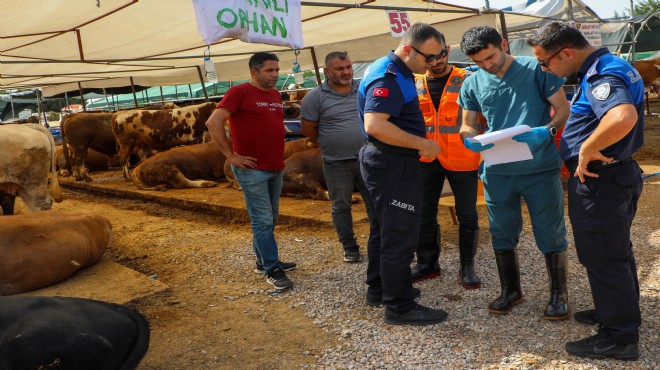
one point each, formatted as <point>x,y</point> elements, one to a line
<point>261,190</point>
<point>342,177</point>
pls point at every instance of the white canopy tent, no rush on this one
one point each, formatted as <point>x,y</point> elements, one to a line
<point>65,45</point>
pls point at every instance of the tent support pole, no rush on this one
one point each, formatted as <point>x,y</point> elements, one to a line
<point>41,108</point>
<point>190,89</point>
<point>316,66</point>
<point>106,98</point>
<point>162,101</point>
<point>201,79</point>
<point>133,90</point>
<point>82,97</point>
<point>505,32</point>
<point>11,100</point>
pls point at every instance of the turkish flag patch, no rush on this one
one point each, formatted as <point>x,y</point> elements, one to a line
<point>381,92</point>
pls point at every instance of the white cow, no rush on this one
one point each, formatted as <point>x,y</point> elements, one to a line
<point>27,155</point>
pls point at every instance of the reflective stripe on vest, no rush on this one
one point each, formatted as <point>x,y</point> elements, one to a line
<point>443,126</point>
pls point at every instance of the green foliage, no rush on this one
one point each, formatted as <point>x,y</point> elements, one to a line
<point>647,7</point>
<point>53,116</point>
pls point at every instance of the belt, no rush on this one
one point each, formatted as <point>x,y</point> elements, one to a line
<point>595,166</point>
<point>331,161</point>
<point>393,149</point>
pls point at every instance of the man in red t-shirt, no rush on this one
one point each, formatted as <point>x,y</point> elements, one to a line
<point>256,122</point>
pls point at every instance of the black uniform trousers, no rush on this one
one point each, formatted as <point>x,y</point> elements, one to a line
<point>601,211</point>
<point>394,183</point>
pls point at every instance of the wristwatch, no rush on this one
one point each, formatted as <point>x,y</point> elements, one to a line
<point>551,129</point>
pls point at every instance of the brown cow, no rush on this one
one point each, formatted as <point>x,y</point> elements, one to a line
<point>27,156</point>
<point>192,166</point>
<point>303,175</point>
<point>94,161</point>
<point>43,248</point>
<point>82,131</point>
<point>290,147</point>
<point>152,131</point>
<point>649,70</point>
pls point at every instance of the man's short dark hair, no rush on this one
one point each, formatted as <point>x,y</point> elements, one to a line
<point>555,35</point>
<point>419,32</point>
<point>257,60</point>
<point>478,38</point>
<point>341,55</point>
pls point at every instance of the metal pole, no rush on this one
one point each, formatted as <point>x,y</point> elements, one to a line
<point>66,100</point>
<point>82,97</point>
<point>201,79</point>
<point>133,90</point>
<point>162,101</point>
<point>11,100</point>
<point>106,98</point>
<point>316,66</point>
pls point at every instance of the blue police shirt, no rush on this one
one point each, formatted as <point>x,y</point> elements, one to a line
<point>388,86</point>
<point>605,82</point>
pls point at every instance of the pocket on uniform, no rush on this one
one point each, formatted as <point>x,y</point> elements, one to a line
<point>374,163</point>
<point>402,214</point>
<point>626,181</point>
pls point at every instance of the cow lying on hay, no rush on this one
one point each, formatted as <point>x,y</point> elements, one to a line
<point>70,333</point>
<point>193,166</point>
<point>27,156</point>
<point>43,248</point>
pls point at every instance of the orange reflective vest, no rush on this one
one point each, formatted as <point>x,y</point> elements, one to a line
<point>443,126</point>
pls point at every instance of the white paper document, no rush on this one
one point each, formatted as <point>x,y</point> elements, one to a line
<point>506,149</point>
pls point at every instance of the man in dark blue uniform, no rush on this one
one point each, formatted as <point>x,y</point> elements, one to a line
<point>393,125</point>
<point>605,128</point>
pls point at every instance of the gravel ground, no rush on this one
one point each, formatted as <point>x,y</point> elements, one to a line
<point>471,337</point>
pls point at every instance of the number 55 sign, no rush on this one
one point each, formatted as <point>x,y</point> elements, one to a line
<point>399,22</point>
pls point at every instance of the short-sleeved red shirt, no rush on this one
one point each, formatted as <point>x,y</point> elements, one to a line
<point>256,124</point>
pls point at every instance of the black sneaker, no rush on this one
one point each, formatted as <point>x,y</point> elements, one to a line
<point>277,278</point>
<point>602,345</point>
<point>586,317</point>
<point>374,300</point>
<point>286,266</point>
<point>352,255</point>
<point>418,316</point>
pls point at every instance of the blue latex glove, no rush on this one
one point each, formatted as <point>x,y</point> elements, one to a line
<point>476,146</point>
<point>534,137</point>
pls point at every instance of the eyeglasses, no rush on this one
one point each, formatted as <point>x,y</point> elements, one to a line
<point>545,62</point>
<point>429,58</point>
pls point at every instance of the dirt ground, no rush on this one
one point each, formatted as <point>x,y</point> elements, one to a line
<point>216,312</point>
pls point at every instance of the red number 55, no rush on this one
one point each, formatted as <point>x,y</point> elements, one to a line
<point>399,22</point>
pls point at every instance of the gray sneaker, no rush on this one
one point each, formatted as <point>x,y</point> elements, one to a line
<point>277,278</point>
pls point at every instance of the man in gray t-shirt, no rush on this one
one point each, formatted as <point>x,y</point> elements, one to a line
<point>330,119</point>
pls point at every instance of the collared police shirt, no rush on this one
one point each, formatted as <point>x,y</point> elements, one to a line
<point>388,86</point>
<point>605,82</point>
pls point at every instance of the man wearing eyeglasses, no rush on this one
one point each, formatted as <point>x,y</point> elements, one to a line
<point>437,91</point>
<point>393,125</point>
<point>511,91</point>
<point>605,128</point>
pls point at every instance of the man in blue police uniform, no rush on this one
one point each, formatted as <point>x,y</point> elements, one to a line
<point>605,128</point>
<point>393,125</point>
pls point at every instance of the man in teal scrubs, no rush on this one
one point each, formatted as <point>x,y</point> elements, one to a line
<point>511,91</point>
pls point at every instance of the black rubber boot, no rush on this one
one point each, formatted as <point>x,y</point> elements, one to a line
<point>468,240</point>
<point>509,271</point>
<point>557,265</point>
<point>428,254</point>
<point>7,203</point>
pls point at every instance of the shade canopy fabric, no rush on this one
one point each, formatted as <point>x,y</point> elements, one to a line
<point>61,45</point>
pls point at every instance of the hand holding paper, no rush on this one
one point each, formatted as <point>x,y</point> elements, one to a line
<point>507,150</point>
<point>476,146</point>
<point>534,137</point>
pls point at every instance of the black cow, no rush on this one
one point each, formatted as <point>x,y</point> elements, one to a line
<point>70,333</point>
